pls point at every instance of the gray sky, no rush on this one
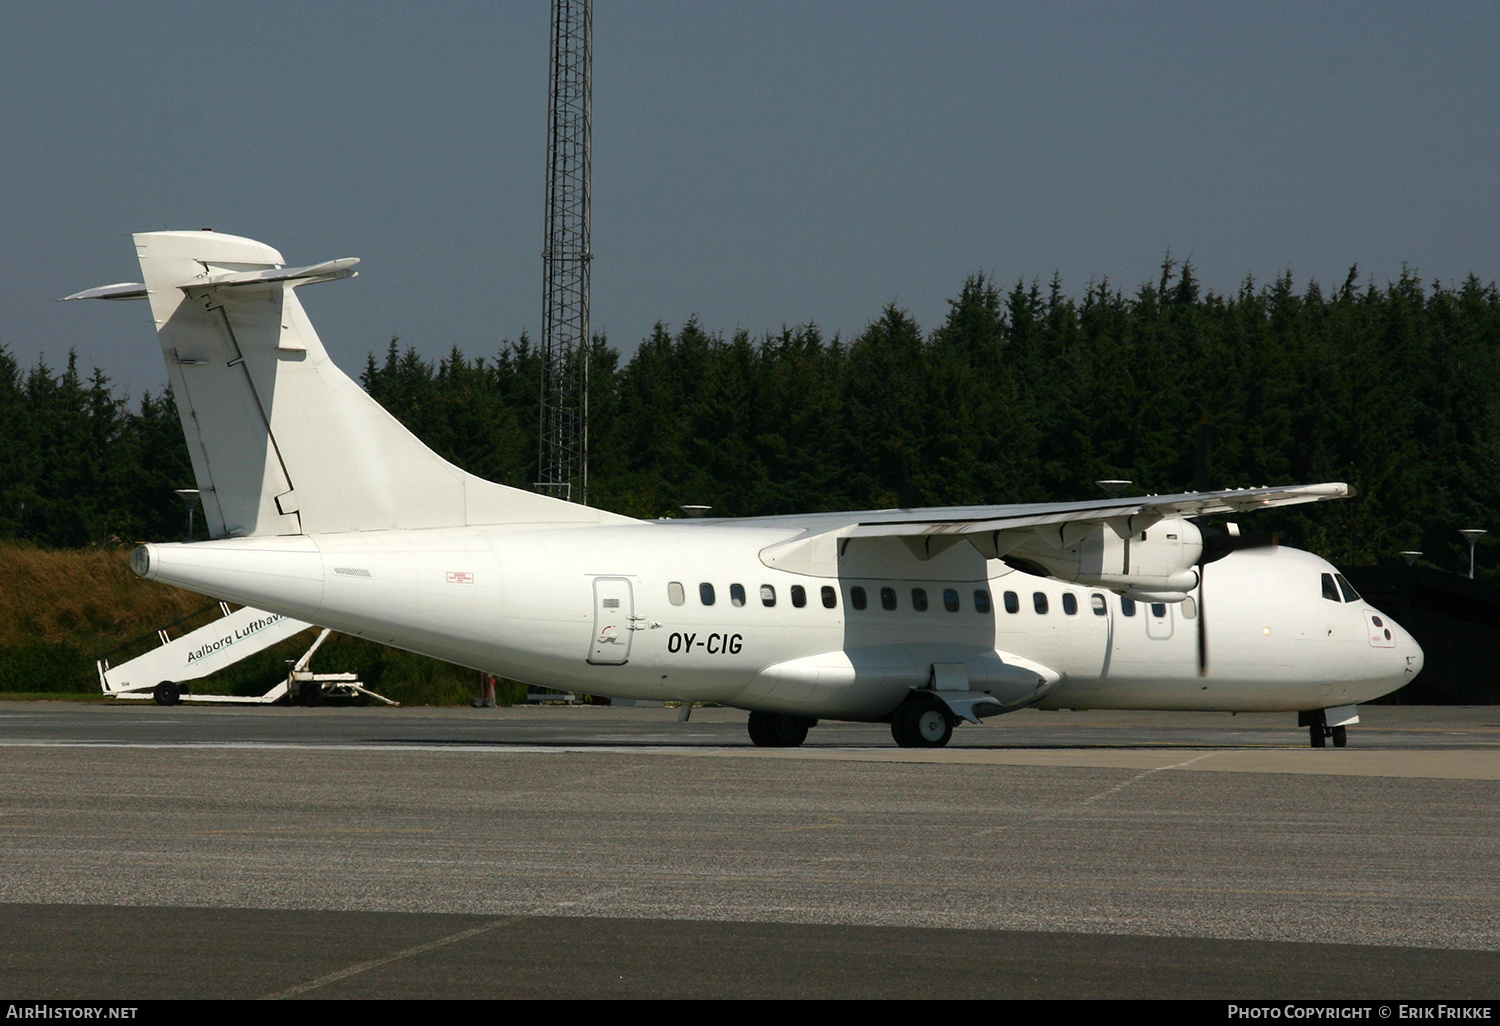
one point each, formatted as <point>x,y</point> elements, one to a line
<point>755,163</point>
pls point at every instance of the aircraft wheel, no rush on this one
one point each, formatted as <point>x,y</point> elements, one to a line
<point>166,693</point>
<point>1316,736</point>
<point>773,730</point>
<point>922,724</point>
<point>1340,737</point>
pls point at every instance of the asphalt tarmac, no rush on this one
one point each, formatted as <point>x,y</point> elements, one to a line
<point>579,852</point>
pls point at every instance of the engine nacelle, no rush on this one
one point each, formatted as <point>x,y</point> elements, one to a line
<point>1154,564</point>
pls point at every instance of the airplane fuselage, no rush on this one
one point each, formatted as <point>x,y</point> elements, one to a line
<point>693,612</point>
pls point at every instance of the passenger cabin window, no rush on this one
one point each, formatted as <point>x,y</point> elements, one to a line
<point>706,594</point>
<point>1127,606</point>
<point>1039,601</point>
<point>981,601</point>
<point>888,599</point>
<point>767,595</point>
<point>950,599</point>
<point>675,594</point>
<point>857,597</point>
<point>830,597</point>
<point>1189,609</point>
<point>1158,609</point>
<point>1330,590</point>
<point>799,596</point>
<point>736,594</point>
<point>1350,595</point>
<point>1012,602</point>
<point>919,599</point>
<point>1070,603</point>
<point>1097,601</point>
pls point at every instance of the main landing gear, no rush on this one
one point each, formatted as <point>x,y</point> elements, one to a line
<point>773,730</point>
<point>922,722</point>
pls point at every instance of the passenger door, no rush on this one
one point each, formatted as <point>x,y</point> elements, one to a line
<point>614,621</point>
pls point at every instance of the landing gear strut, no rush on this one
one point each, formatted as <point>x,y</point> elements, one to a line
<point>773,730</point>
<point>922,723</point>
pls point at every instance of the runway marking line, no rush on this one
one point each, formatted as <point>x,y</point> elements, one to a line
<point>1091,799</point>
<point>376,963</point>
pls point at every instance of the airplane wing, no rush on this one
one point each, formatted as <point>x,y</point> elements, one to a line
<point>1100,542</point>
<point>1141,510</point>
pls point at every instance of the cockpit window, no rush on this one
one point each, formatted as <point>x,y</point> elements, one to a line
<point>1330,590</point>
<point>1350,595</point>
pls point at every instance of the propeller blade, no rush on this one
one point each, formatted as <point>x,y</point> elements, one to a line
<point>1202,628</point>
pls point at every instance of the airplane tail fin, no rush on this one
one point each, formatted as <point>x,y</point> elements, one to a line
<point>282,441</point>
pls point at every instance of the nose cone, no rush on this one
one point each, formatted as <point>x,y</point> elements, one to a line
<point>1411,653</point>
<point>1393,659</point>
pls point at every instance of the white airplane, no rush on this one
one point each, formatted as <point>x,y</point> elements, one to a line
<point>324,508</point>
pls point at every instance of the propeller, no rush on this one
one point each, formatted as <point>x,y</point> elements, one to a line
<point>1219,540</point>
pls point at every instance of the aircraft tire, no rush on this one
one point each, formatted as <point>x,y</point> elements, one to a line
<point>1340,737</point>
<point>166,693</point>
<point>1315,735</point>
<point>773,730</point>
<point>924,723</point>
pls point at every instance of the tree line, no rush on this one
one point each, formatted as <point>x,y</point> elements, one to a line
<point>1021,394</point>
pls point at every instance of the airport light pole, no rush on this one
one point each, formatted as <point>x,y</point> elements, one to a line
<point>1411,556</point>
<point>1471,535</point>
<point>189,496</point>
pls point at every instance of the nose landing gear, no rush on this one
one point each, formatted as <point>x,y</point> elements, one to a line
<point>1319,730</point>
<point>1319,734</point>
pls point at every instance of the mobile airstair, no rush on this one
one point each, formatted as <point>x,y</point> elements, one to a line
<point>163,671</point>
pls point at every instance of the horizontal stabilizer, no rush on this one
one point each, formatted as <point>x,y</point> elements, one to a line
<point>122,290</point>
<point>328,270</point>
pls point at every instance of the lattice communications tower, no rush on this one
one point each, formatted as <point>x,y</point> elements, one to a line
<point>564,435</point>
